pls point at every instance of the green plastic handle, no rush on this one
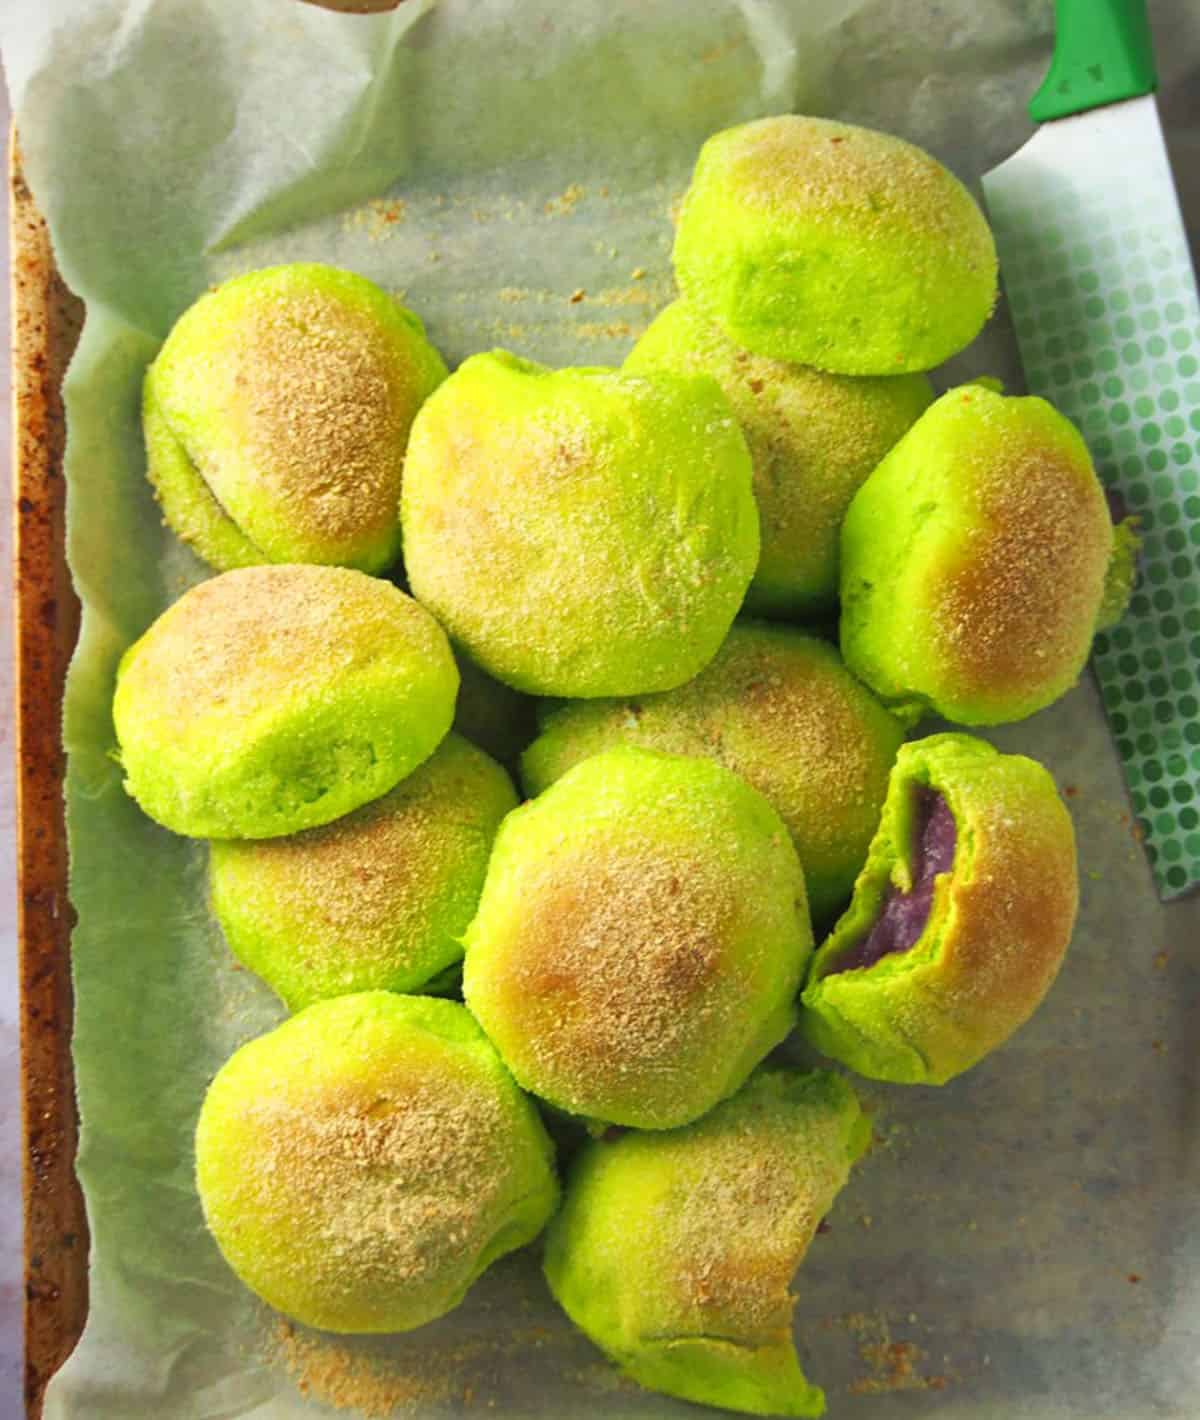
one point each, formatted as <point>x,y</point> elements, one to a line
<point>1102,53</point>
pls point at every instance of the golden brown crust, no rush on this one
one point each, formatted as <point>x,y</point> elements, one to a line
<point>740,1232</point>
<point>241,641</point>
<point>1023,592</point>
<point>830,172</point>
<point>390,1178</point>
<point>1012,904</point>
<point>355,888</point>
<point>623,953</point>
<point>323,405</point>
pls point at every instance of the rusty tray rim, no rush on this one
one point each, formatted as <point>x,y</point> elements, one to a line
<point>46,321</point>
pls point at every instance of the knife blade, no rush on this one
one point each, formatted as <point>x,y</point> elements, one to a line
<point>1095,265</point>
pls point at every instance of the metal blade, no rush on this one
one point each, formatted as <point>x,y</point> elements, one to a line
<point>1095,263</point>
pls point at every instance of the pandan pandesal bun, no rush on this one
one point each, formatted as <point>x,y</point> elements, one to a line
<point>276,417</point>
<point>640,940</point>
<point>975,561</point>
<point>377,900</point>
<point>813,438</point>
<point>779,709</point>
<point>491,714</point>
<point>959,921</point>
<point>273,699</point>
<point>835,246</point>
<point>579,532</point>
<point>360,1165</point>
<point>675,1252</point>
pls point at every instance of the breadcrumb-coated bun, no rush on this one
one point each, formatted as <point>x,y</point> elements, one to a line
<point>675,1252</point>
<point>378,900</point>
<point>640,940</point>
<point>813,438</point>
<point>974,561</point>
<point>998,921</point>
<point>579,532</point>
<point>273,699</point>
<point>835,246</point>
<point>363,1163</point>
<point>276,417</point>
<point>779,709</point>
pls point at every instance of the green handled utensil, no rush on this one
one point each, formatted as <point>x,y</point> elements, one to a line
<point>1095,264</point>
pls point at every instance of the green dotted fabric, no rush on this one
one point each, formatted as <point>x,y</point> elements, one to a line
<point>1096,268</point>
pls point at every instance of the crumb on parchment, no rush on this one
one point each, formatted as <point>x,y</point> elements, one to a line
<point>377,218</point>
<point>892,1365</point>
<point>364,1381</point>
<point>566,201</point>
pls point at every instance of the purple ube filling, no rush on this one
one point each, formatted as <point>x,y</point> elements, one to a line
<point>905,914</point>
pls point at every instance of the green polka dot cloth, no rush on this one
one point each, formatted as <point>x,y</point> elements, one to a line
<point>1095,264</point>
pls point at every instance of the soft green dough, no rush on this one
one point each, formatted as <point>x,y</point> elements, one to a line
<point>1121,574</point>
<point>363,1163</point>
<point>579,532</point>
<point>975,561</point>
<point>778,708</point>
<point>675,1252</point>
<point>999,924</point>
<point>835,246</point>
<point>378,900</point>
<point>813,438</point>
<point>277,414</point>
<point>273,699</point>
<point>640,939</point>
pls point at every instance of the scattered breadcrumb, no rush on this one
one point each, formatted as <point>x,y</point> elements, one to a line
<point>608,330</point>
<point>358,1375</point>
<point>374,1386</point>
<point>566,202</point>
<point>378,218</point>
<point>892,1364</point>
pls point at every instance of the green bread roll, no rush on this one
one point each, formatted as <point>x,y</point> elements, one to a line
<point>360,1165</point>
<point>272,699</point>
<point>640,939</point>
<point>813,438</point>
<point>675,1252</point>
<point>579,532</point>
<point>780,710</point>
<point>835,246</point>
<point>277,414</point>
<point>975,561</point>
<point>960,919</point>
<point>378,900</point>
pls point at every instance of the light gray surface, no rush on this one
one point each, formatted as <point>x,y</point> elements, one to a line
<point>999,1226</point>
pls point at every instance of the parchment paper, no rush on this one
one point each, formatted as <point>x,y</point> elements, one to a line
<point>1024,1242</point>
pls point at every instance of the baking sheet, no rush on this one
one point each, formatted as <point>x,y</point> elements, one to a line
<point>1024,1242</point>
